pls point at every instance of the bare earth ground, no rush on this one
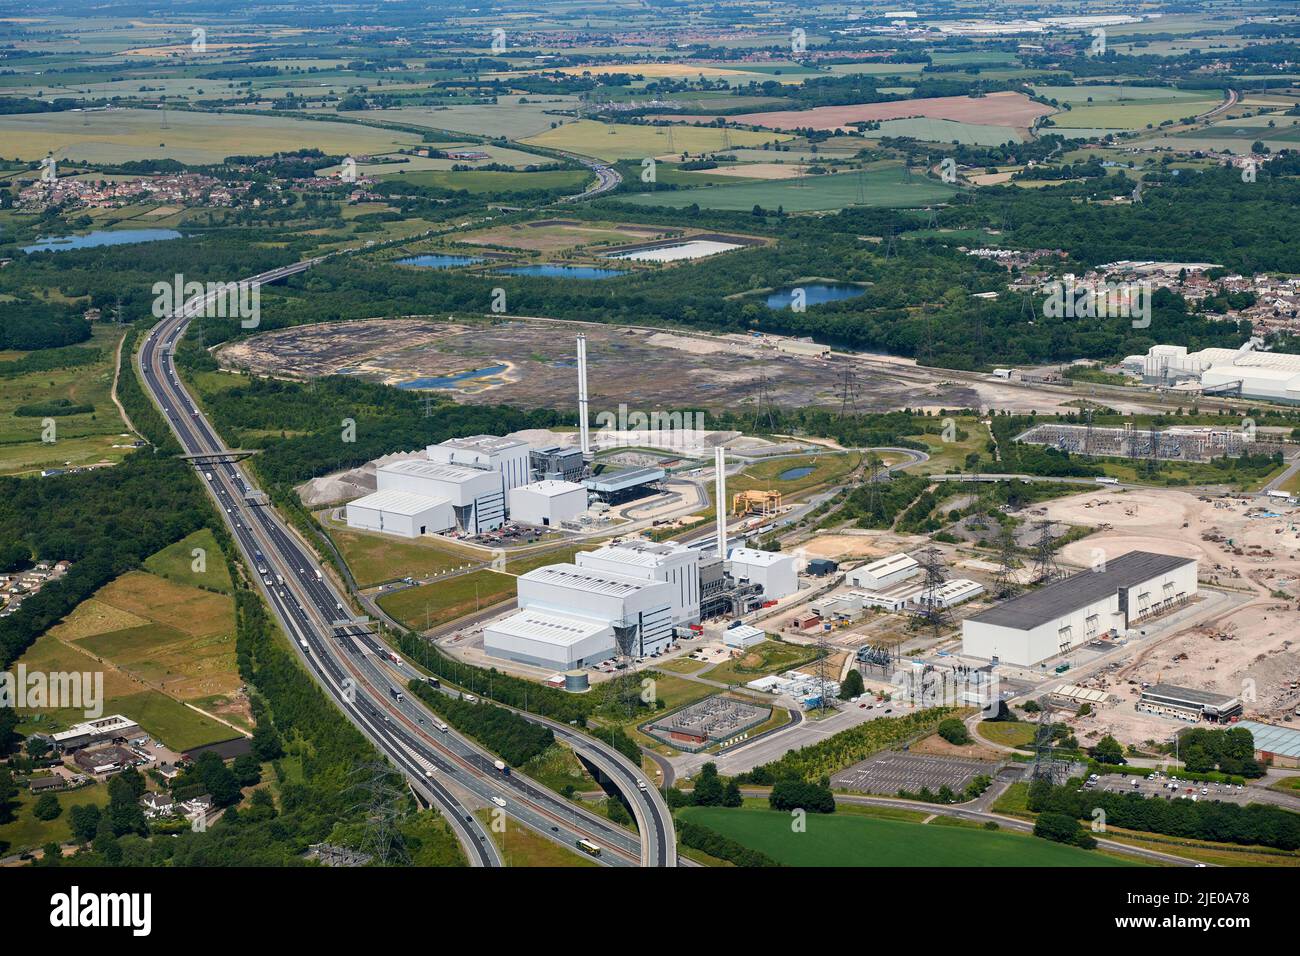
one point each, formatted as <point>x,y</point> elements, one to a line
<point>995,109</point>
<point>1249,651</point>
<point>641,368</point>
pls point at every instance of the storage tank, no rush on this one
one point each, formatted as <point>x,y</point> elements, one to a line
<point>576,682</point>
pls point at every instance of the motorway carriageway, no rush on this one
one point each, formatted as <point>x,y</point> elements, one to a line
<point>344,663</point>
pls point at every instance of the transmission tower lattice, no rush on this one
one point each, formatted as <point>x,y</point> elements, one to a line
<point>1047,765</point>
<point>1045,566</point>
<point>934,614</point>
<point>384,807</point>
<point>1005,582</point>
<point>848,393</point>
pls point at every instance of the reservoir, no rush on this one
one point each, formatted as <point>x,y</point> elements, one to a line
<point>814,294</point>
<point>100,237</point>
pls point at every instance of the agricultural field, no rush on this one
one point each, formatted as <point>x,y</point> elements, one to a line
<point>881,187</point>
<point>85,438</point>
<point>560,235</point>
<point>948,131</point>
<point>494,181</point>
<point>513,120</point>
<point>431,605</point>
<point>857,840</point>
<point>613,141</point>
<point>995,109</point>
<point>125,134</point>
<point>1129,116</point>
<point>179,563</point>
<point>166,648</point>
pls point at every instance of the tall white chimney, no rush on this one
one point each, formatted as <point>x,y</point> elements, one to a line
<point>582,397</point>
<point>720,493</point>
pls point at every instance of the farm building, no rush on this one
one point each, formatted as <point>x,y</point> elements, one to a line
<point>1082,607</point>
<point>96,731</point>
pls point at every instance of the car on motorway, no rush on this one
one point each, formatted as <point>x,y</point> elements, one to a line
<point>499,801</point>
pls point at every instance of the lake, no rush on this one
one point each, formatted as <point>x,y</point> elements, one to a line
<point>815,294</point>
<point>790,474</point>
<point>438,262</point>
<point>100,237</point>
<point>563,272</point>
<point>449,381</point>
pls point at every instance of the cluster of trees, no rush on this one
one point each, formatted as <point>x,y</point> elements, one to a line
<point>28,324</point>
<point>801,795</point>
<point>709,791</point>
<point>1230,751</point>
<point>502,731</point>
<point>945,794</point>
<point>1063,828</point>
<point>1250,825</point>
<point>954,731</point>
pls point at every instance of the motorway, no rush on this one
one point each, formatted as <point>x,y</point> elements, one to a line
<point>357,671</point>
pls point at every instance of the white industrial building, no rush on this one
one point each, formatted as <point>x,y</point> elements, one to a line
<point>774,571</point>
<point>950,593</point>
<point>1271,375</point>
<point>1072,611</point>
<point>674,564</point>
<point>509,457</point>
<point>475,494</point>
<point>401,513</point>
<point>743,636</point>
<point>885,573</point>
<point>546,504</point>
<point>547,639</point>
<point>572,616</point>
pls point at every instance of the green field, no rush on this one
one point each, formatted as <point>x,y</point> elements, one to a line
<point>81,439</point>
<point>430,605</point>
<point>1006,733</point>
<point>851,840</point>
<point>768,657</point>
<point>1116,93</point>
<point>376,558</point>
<point>611,141</point>
<point>946,131</point>
<point>490,181</point>
<point>883,187</point>
<point>1136,115</point>
<point>25,832</point>
<point>176,562</point>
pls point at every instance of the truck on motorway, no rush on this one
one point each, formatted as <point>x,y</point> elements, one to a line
<point>442,727</point>
<point>501,766</point>
<point>1104,480</point>
<point>394,693</point>
<point>319,576</point>
<point>279,579</point>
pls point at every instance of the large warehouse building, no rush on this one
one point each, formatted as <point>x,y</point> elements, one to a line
<point>573,616</point>
<point>774,571</point>
<point>509,457</point>
<point>1072,611</point>
<point>885,573</point>
<point>401,513</point>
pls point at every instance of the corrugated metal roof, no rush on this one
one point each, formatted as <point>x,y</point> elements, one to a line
<point>1276,740</point>
<point>435,469</point>
<point>559,629</point>
<point>1061,597</point>
<point>621,481</point>
<point>586,579</point>
<point>399,502</point>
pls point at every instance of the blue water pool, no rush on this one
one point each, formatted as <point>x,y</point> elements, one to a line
<point>100,237</point>
<point>814,294</point>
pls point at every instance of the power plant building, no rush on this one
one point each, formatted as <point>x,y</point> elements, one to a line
<point>773,571</point>
<point>571,616</point>
<point>548,503</point>
<point>509,457</point>
<point>475,494</point>
<point>676,565</point>
<point>1072,611</point>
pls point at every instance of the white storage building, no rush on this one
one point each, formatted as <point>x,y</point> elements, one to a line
<point>474,493</point>
<point>743,636</point>
<point>1072,611</point>
<point>772,569</point>
<point>674,564</point>
<point>885,573</point>
<point>547,503</point>
<point>549,639</point>
<point>950,593</point>
<point>401,513</point>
